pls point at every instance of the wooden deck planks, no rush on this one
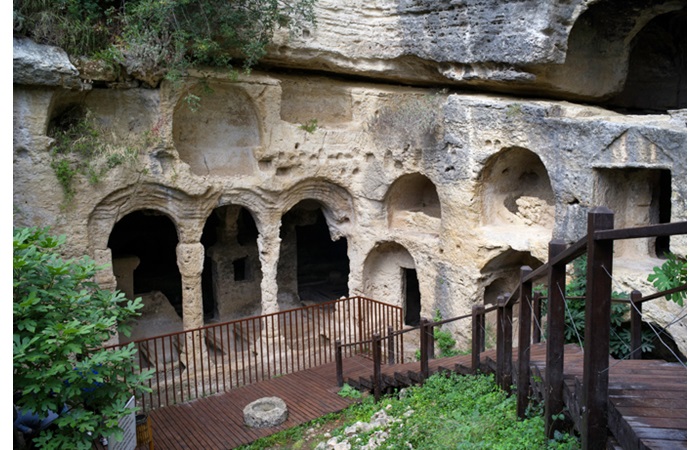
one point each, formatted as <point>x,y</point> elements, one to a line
<point>647,406</point>
<point>216,422</point>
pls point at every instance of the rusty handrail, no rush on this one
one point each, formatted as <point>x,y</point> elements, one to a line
<point>215,358</point>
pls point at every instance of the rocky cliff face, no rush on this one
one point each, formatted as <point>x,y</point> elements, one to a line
<point>393,141</point>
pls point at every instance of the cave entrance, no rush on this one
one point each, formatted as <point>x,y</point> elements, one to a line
<point>657,74</point>
<point>232,271</point>
<point>144,257</point>
<point>313,267</point>
<point>411,296</point>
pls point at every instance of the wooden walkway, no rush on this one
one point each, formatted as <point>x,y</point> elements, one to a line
<point>216,422</point>
<point>648,398</point>
<point>647,409</point>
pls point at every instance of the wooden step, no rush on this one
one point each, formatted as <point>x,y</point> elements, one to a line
<point>463,370</point>
<point>403,379</point>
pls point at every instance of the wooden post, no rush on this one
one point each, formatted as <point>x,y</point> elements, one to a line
<point>377,357</point>
<point>424,347</point>
<point>390,344</point>
<point>431,340</point>
<point>524,341</point>
<point>477,336</point>
<point>339,363</point>
<point>536,318</point>
<point>556,309</point>
<point>504,346</point>
<point>594,430</point>
<point>636,325</point>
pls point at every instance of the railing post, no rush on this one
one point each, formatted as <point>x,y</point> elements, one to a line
<point>390,344</point>
<point>504,345</point>
<point>536,318</point>
<point>525,321</point>
<point>597,332</point>
<point>556,308</point>
<point>477,336</point>
<point>377,357</point>
<point>424,347</point>
<point>636,325</point>
<point>339,363</point>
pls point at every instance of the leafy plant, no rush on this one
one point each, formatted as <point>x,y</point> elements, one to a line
<point>61,320</point>
<point>575,316</point>
<point>348,391</point>
<point>445,342</point>
<point>672,273</point>
<point>82,147</point>
<point>310,127</point>
<point>154,38</point>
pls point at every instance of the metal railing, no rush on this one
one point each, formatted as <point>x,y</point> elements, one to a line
<point>216,358</point>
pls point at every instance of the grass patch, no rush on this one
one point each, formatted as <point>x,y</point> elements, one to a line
<point>455,412</point>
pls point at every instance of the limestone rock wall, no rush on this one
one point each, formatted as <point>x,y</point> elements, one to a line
<point>354,183</point>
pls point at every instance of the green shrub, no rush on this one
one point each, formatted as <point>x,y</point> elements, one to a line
<point>348,391</point>
<point>161,36</point>
<point>61,319</point>
<point>575,315</point>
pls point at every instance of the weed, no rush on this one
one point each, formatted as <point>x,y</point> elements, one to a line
<point>348,391</point>
<point>310,126</point>
<point>82,148</point>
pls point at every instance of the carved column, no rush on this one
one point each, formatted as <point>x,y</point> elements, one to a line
<point>190,261</point>
<point>269,246</point>
<point>124,273</point>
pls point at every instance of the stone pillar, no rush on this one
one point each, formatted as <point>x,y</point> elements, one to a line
<point>124,273</point>
<point>105,277</point>
<point>190,261</point>
<point>269,246</point>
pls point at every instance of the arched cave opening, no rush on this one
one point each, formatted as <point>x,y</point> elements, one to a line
<point>657,69</point>
<point>412,200</point>
<point>516,190</point>
<point>502,275</point>
<point>312,267</point>
<point>151,237</point>
<point>232,270</point>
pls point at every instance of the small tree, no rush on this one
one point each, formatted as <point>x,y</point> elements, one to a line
<point>61,319</point>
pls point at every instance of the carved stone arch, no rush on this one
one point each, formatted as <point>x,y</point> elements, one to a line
<point>313,263</point>
<point>221,136</point>
<point>232,268</point>
<point>390,275</point>
<point>500,276</point>
<point>337,203</point>
<point>515,189</point>
<point>412,203</point>
<point>174,203</point>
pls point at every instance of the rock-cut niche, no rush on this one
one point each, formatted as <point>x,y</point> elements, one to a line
<point>221,135</point>
<point>144,260</point>
<point>232,270</point>
<point>312,267</point>
<point>638,197</point>
<point>390,276</point>
<point>516,191</point>
<point>412,203</point>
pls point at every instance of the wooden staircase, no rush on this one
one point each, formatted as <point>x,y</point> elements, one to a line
<point>398,376</point>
